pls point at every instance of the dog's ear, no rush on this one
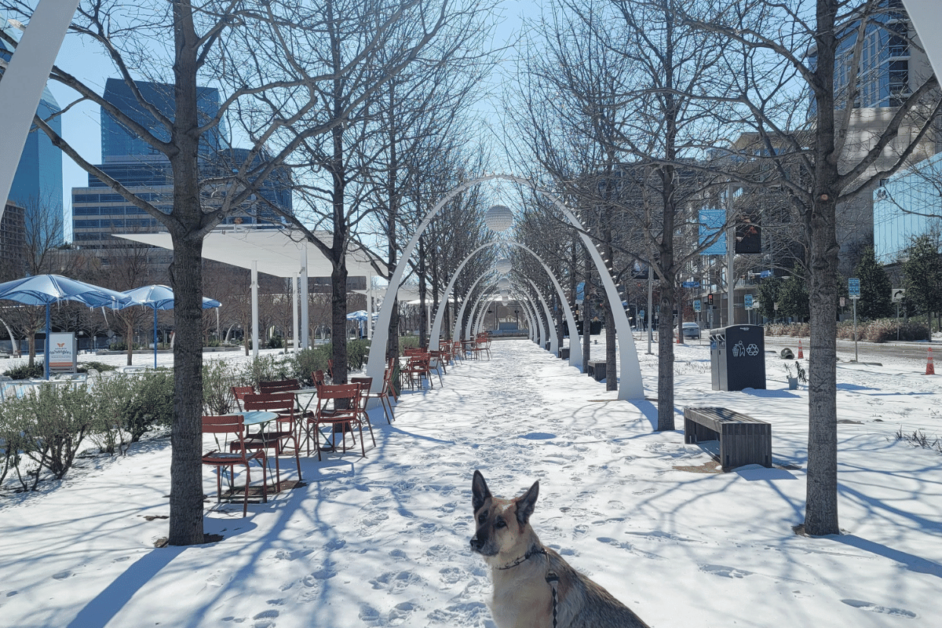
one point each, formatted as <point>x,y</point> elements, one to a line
<point>479,492</point>
<point>526,503</point>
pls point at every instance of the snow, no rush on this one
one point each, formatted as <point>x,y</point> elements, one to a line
<point>383,541</point>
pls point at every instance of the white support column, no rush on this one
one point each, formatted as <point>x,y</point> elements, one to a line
<point>254,309</point>
<point>553,337</point>
<point>294,314</point>
<point>304,294</point>
<point>24,80</point>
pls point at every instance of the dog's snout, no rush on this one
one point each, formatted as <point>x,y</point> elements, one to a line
<point>476,543</point>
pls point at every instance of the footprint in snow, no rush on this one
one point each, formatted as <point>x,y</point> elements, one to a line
<point>427,531</point>
<point>876,608</point>
<point>725,572</point>
<point>265,619</point>
<point>62,575</point>
<point>451,575</point>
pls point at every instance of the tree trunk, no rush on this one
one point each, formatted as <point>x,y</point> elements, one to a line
<point>31,343</point>
<point>587,315</point>
<point>665,359</point>
<point>821,507</point>
<point>186,469</point>
<point>186,472</point>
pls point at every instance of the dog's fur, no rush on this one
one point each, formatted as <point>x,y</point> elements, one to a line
<point>520,563</point>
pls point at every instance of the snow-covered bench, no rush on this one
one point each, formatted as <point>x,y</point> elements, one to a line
<point>597,369</point>
<point>743,439</point>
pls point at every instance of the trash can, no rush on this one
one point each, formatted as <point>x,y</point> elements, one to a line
<point>737,357</point>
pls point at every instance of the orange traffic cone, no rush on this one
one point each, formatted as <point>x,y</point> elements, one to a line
<point>801,356</point>
<point>930,367</point>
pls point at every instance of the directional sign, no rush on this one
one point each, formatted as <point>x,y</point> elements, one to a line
<point>853,288</point>
<point>748,301</point>
<point>696,305</point>
<point>898,294</point>
<point>691,284</point>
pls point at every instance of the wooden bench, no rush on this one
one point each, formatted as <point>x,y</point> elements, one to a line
<point>743,440</point>
<point>564,353</point>
<point>597,369</point>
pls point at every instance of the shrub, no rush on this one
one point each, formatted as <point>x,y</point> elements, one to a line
<point>357,353</point>
<point>266,369</point>
<point>61,417</point>
<point>218,381</point>
<point>26,372</point>
<point>788,329</point>
<point>883,330</point>
<point>307,361</point>
<point>276,342</point>
<point>150,403</point>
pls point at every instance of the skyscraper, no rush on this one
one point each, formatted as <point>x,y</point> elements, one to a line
<point>98,211</point>
<point>37,186</point>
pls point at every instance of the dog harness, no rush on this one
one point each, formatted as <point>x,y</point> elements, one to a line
<point>551,578</point>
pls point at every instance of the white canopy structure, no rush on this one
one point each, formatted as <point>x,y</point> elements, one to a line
<point>279,252</point>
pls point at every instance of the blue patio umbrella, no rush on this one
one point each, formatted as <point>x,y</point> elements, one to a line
<point>49,289</point>
<point>159,297</point>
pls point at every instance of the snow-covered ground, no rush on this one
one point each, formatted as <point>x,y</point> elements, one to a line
<point>384,540</point>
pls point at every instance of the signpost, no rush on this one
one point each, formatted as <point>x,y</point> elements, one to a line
<point>853,288</point>
<point>62,353</point>
<point>696,305</point>
<point>747,301</point>
<point>897,294</point>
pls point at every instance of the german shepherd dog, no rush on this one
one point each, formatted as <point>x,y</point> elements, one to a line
<point>533,586</point>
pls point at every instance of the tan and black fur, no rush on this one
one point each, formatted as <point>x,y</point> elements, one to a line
<point>520,563</point>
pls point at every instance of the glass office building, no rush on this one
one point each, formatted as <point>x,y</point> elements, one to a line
<point>98,212</point>
<point>908,205</point>
<point>37,185</point>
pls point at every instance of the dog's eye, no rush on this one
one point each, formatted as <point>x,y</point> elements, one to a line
<point>482,517</point>
<point>500,524</point>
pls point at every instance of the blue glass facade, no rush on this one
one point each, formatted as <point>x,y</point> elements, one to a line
<point>37,185</point>
<point>884,73</point>
<point>907,206</point>
<point>97,212</point>
<point>120,144</point>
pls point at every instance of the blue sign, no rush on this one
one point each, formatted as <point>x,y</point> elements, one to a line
<point>696,305</point>
<point>691,284</point>
<point>765,274</point>
<point>641,314</point>
<point>853,288</point>
<point>748,299</point>
<point>712,222</point>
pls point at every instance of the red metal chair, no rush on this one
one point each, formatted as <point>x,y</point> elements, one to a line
<point>365,384</point>
<point>343,415</point>
<point>239,392</point>
<point>418,367</point>
<point>437,364</point>
<point>233,425</point>
<point>286,428</point>
<point>282,385</point>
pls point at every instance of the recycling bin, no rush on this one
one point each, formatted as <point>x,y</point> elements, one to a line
<point>737,357</point>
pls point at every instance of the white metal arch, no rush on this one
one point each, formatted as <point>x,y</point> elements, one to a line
<point>630,384</point>
<point>550,327</point>
<point>534,324</point>
<point>575,347</point>
<point>458,319</point>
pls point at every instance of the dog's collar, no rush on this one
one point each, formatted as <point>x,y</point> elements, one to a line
<point>533,551</point>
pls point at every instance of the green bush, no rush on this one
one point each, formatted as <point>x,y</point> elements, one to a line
<point>54,424</point>
<point>357,353</point>
<point>218,380</point>
<point>150,404</point>
<point>26,372</point>
<point>307,361</point>
<point>276,342</point>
